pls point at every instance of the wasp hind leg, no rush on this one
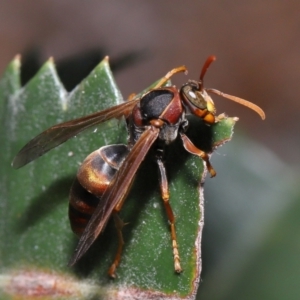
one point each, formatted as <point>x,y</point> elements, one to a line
<point>119,224</point>
<point>165,197</point>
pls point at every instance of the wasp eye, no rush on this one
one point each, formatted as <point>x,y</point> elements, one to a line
<point>192,94</point>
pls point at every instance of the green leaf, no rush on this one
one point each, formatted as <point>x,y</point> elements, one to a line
<point>36,241</point>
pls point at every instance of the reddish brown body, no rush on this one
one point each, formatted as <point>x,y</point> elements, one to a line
<point>93,178</point>
<point>104,179</point>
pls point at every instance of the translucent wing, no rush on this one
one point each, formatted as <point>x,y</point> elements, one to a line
<point>116,192</point>
<point>58,134</point>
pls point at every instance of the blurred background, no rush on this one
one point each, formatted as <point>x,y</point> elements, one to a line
<point>251,242</point>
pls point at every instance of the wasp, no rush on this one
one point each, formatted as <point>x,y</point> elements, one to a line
<point>154,120</point>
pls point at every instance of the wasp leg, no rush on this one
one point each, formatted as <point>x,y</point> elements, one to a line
<point>163,80</point>
<point>174,71</point>
<point>165,196</point>
<point>131,96</point>
<point>119,225</point>
<point>220,117</point>
<point>191,148</point>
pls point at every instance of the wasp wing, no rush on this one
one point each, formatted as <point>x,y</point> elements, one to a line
<point>116,192</point>
<point>58,134</point>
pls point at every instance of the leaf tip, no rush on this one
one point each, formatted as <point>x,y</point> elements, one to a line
<point>50,61</point>
<point>104,62</point>
<point>16,62</point>
<point>17,57</point>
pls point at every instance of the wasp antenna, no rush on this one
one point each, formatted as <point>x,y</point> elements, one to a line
<point>206,65</point>
<point>244,102</point>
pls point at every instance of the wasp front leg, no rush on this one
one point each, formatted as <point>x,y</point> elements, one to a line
<point>165,79</point>
<point>220,117</point>
<point>165,197</point>
<point>191,148</point>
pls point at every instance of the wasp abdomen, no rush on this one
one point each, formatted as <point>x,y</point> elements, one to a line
<point>93,178</point>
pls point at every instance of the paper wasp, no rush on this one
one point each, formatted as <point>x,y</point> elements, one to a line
<point>103,181</point>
